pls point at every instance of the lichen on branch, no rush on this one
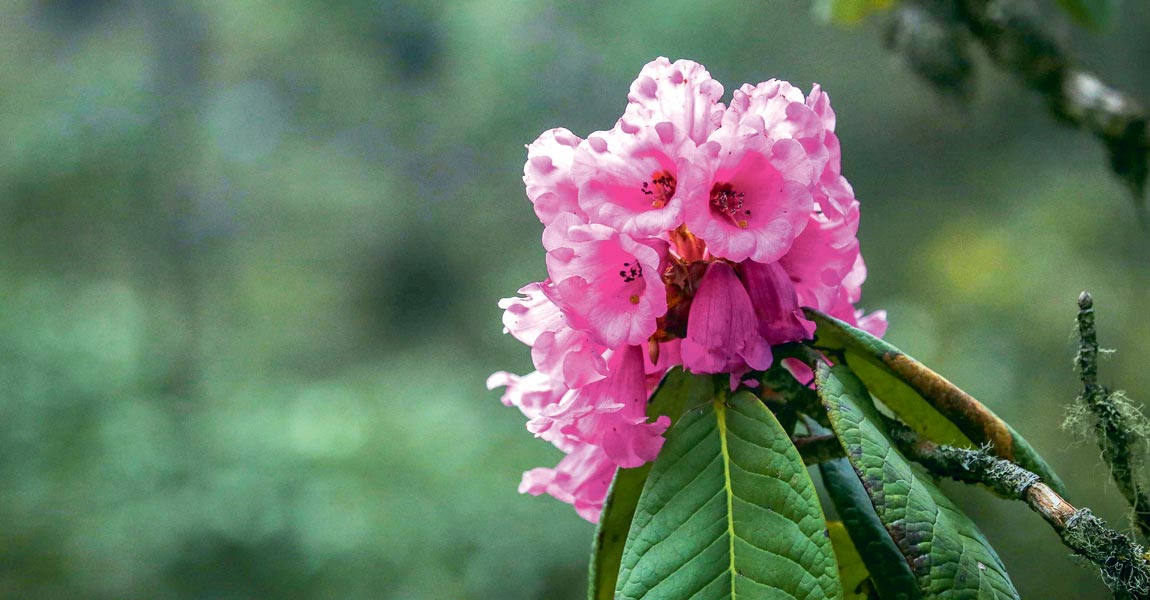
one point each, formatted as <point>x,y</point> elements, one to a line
<point>1122,562</point>
<point>1118,425</point>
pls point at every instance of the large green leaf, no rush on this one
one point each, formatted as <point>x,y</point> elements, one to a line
<point>926,401</point>
<point>947,553</point>
<point>729,510</point>
<point>889,570</point>
<point>678,390</point>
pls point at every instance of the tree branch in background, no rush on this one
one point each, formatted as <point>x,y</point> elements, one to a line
<point>1122,563</point>
<point>1118,425</point>
<point>934,44</point>
<point>931,34</point>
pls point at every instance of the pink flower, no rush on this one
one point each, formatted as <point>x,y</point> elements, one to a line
<point>610,413</point>
<point>681,93</point>
<point>628,177</point>
<point>547,174</point>
<point>722,330</point>
<point>778,111</point>
<point>754,204</point>
<point>608,283</point>
<point>532,394</point>
<point>776,306</point>
<point>824,253</point>
<point>690,233</point>
<point>562,353</point>
<point>582,479</point>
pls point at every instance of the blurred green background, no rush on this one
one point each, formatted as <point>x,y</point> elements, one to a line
<point>251,252</point>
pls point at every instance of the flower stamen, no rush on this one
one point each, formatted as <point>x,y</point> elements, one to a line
<point>661,188</point>
<point>630,272</point>
<point>729,203</point>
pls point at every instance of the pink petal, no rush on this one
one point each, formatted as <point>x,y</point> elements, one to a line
<point>682,93</point>
<point>722,329</point>
<point>628,178</point>
<point>609,284</point>
<point>753,210</point>
<point>776,305</point>
<point>582,478</point>
<point>547,174</point>
<point>530,315</point>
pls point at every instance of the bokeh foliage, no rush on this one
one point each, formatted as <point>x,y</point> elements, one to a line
<point>251,253</point>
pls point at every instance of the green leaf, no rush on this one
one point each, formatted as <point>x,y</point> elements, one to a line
<point>908,404</point>
<point>926,401</point>
<point>1089,13</point>
<point>611,533</point>
<point>678,390</point>
<point>729,510</point>
<point>852,572</point>
<point>947,553</point>
<point>888,569</point>
<point>849,12</point>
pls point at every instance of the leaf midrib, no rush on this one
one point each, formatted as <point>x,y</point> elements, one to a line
<point>721,419</point>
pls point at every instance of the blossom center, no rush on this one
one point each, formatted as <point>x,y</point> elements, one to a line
<point>661,188</point>
<point>728,204</point>
<point>631,271</point>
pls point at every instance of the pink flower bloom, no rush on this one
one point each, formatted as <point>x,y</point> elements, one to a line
<point>610,413</point>
<point>776,306</point>
<point>532,394</point>
<point>681,93</point>
<point>722,330</point>
<point>824,253</point>
<point>690,233</point>
<point>609,283</point>
<point>582,478</point>
<point>564,354</point>
<point>628,177</point>
<point>778,110</point>
<point>547,174</point>
<point>754,206</point>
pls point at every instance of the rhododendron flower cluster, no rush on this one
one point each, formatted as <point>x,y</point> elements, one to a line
<point>690,234</point>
